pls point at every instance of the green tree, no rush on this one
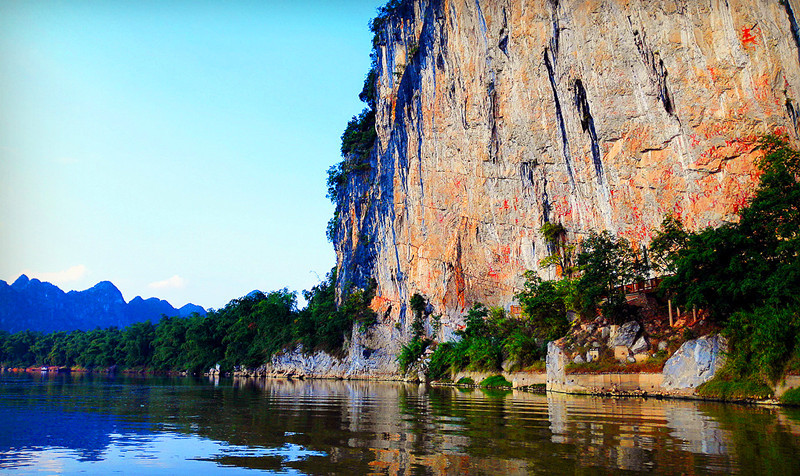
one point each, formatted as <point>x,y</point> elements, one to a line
<point>41,347</point>
<point>104,348</point>
<point>356,306</point>
<point>543,304</point>
<point>320,325</point>
<point>263,321</point>
<point>203,348</point>
<point>17,347</point>
<point>670,240</point>
<point>4,356</point>
<point>747,264</point>
<point>747,273</point>
<point>560,253</point>
<point>480,347</point>
<point>418,305</point>
<point>170,337</point>
<point>358,139</point>
<point>138,344</point>
<point>413,349</point>
<point>57,354</point>
<point>607,264</point>
<point>75,346</point>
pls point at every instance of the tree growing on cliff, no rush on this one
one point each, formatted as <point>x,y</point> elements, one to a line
<point>416,346</point>
<point>356,306</point>
<point>358,140</point>
<point>418,305</point>
<point>560,253</point>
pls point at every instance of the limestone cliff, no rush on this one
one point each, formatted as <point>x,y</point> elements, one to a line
<point>495,116</point>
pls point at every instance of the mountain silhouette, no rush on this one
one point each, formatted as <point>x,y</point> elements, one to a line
<point>41,306</point>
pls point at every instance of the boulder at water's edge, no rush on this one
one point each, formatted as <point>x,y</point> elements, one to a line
<point>695,362</point>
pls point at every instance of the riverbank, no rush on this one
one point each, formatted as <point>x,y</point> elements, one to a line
<point>48,370</point>
<point>681,372</point>
<point>616,385</point>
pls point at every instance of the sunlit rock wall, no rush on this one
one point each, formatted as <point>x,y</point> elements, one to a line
<point>496,116</point>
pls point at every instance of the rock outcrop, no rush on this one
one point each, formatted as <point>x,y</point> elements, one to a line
<point>296,364</point>
<point>555,365</point>
<point>494,117</point>
<point>625,335</point>
<point>694,363</point>
<point>358,362</point>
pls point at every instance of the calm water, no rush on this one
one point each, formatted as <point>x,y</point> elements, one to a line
<point>98,425</point>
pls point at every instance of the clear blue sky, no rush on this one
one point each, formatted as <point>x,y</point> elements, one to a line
<point>178,149</point>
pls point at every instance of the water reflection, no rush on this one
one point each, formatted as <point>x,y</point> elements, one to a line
<point>355,427</point>
<point>699,432</point>
<point>639,434</point>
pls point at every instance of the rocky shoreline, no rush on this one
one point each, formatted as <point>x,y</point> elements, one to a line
<point>696,361</point>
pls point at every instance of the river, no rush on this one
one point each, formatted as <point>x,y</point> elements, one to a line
<point>51,424</point>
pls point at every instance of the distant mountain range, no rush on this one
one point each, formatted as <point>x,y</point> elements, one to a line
<point>41,306</point>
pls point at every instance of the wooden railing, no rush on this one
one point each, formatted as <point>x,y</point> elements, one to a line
<point>640,286</point>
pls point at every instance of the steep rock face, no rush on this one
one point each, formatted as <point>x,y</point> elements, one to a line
<point>494,117</point>
<point>297,363</point>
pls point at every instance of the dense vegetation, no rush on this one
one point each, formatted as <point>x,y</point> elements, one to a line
<point>246,333</point>
<point>491,337</point>
<point>414,349</point>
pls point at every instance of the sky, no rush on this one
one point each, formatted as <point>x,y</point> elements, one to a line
<point>178,149</point>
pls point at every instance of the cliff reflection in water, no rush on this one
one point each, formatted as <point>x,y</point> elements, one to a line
<point>359,427</point>
<point>451,431</point>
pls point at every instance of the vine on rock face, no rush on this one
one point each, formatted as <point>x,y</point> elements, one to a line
<point>561,255</point>
<point>358,141</point>
<point>358,138</point>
